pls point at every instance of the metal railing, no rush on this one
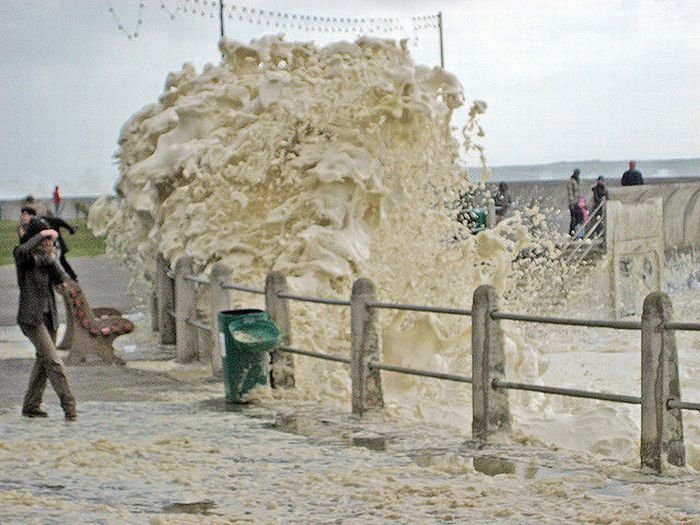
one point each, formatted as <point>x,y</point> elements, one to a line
<point>661,435</point>
<point>576,249</point>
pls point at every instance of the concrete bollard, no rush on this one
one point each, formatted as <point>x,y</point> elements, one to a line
<point>366,383</point>
<point>165,288</point>
<point>185,308</point>
<point>491,410</point>
<point>662,428</point>
<point>282,363</point>
<point>219,301</point>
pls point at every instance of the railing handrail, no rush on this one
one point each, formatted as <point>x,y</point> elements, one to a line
<point>319,355</point>
<point>595,210</point>
<point>590,227</point>
<point>568,392</point>
<point>416,308</point>
<point>319,300</point>
<point>588,323</point>
<point>660,406</point>
<point>196,279</point>
<point>239,288</point>
<point>418,372</point>
<point>690,327</point>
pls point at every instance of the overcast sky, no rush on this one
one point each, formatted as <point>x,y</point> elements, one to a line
<point>564,79</point>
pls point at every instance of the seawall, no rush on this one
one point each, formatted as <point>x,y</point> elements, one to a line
<point>71,207</point>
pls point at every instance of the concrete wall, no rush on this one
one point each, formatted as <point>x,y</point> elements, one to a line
<point>681,203</point>
<point>9,209</point>
<point>681,209</point>
<point>635,233</point>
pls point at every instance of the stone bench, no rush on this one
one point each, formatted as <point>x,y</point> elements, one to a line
<point>90,331</point>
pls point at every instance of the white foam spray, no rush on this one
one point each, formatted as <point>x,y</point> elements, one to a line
<point>333,163</point>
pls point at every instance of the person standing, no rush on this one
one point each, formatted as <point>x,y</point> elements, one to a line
<point>600,191</point>
<point>26,214</point>
<point>573,194</point>
<point>502,200</point>
<point>57,201</point>
<point>632,177</point>
<point>39,207</point>
<point>37,273</point>
<point>600,194</point>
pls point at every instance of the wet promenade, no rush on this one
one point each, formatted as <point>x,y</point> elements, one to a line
<point>156,443</point>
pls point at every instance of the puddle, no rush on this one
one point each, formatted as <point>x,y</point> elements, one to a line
<point>203,507</point>
<point>52,487</point>
<point>375,443</point>
<point>489,464</point>
<point>323,430</point>
<point>492,466</point>
<point>221,404</point>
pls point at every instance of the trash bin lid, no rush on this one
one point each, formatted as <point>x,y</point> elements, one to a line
<point>254,334</point>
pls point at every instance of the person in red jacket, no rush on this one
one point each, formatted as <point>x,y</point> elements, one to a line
<point>57,201</point>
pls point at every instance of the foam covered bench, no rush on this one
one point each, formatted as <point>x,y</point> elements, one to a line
<point>90,331</point>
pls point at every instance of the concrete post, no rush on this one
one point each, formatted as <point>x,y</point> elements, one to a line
<point>185,308</point>
<point>219,301</point>
<point>282,363</point>
<point>662,428</point>
<point>491,410</point>
<point>165,288</point>
<point>366,384</point>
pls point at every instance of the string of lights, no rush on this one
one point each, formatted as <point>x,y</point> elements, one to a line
<point>285,20</point>
<point>120,26</point>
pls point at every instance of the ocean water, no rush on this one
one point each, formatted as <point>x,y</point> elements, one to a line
<point>94,184</point>
<point>591,169</point>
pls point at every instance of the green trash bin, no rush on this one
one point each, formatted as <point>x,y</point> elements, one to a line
<point>246,336</point>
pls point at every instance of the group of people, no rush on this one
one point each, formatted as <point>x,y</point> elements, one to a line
<point>41,265</point>
<point>578,208</point>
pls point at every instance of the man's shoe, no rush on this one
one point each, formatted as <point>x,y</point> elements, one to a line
<point>71,416</point>
<point>34,412</point>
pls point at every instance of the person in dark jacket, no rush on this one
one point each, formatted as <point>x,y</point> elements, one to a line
<point>502,200</point>
<point>56,223</point>
<point>632,177</point>
<point>37,273</point>
<point>600,193</point>
<point>573,194</point>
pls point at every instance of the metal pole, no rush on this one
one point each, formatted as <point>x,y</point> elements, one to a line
<point>442,41</point>
<point>221,18</point>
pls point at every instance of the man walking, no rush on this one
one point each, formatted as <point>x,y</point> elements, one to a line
<point>37,273</point>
